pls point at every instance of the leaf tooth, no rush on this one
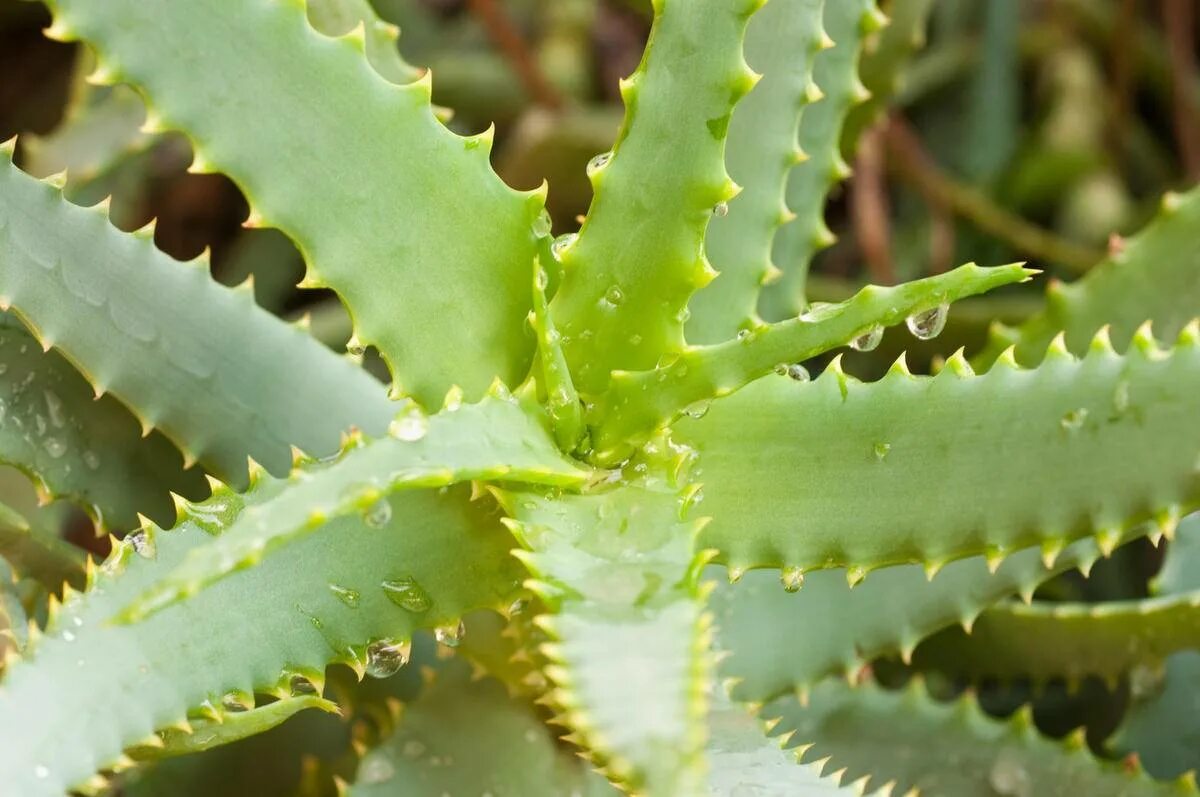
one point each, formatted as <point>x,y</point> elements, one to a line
<point>103,74</point>
<point>900,366</point>
<point>1107,540</point>
<point>1144,342</point>
<point>1167,519</point>
<point>1101,343</point>
<point>8,147</point>
<point>58,179</point>
<point>1051,548</point>
<point>855,575</point>
<point>1190,334</point>
<point>256,471</point>
<point>1057,350</point>
<point>994,557</point>
<point>957,364</point>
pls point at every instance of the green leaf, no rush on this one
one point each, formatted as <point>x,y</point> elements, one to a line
<point>639,402</point>
<point>618,572</point>
<point>781,42</point>
<point>75,446</point>
<point>1154,277</point>
<point>221,378</point>
<point>640,254</point>
<point>395,230</point>
<point>887,737</point>
<point>339,17</point>
<point>1069,449</point>
<point>1161,726</point>
<point>561,397</point>
<point>38,553</point>
<point>825,627</point>
<point>494,439</point>
<point>468,736</point>
<point>836,75</point>
<point>315,602</point>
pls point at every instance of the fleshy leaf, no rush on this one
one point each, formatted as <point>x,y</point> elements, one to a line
<point>640,254</point>
<point>270,629</point>
<point>38,553</point>
<point>1069,449</point>
<point>194,359</point>
<point>639,402</point>
<point>886,737</point>
<point>468,736</point>
<point>494,439</point>
<point>781,42</point>
<point>395,230</point>
<point>1161,726</point>
<point>618,572</point>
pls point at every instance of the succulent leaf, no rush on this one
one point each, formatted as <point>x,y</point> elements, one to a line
<point>339,17</point>
<point>1084,427</point>
<point>782,40</point>
<point>393,229</point>
<point>171,343</point>
<point>38,553</point>
<point>640,254</point>
<point>494,439</point>
<point>255,632</point>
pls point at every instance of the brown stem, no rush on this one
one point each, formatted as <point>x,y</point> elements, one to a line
<point>869,207</point>
<point>505,36</point>
<point>912,164</point>
<point>1179,21</point>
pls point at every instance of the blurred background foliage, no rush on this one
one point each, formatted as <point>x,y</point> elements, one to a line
<point>998,130</point>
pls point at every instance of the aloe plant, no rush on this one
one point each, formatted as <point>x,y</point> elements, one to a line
<point>601,476</point>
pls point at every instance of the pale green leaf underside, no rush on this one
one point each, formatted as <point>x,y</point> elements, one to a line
<point>91,688</point>
<point>468,736</point>
<point>494,439</point>
<point>1072,448</point>
<point>828,628</point>
<point>87,450</point>
<point>219,376</point>
<point>1161,725</point>
<point>617,569</point>
<point>38,553</point>
<point>889,736</point>
<point>421,239</point>
<point>1155,277</point>
<point>836,75</point>
<point>782,40</point>
<point>640,401</point>
<point>639,256</point>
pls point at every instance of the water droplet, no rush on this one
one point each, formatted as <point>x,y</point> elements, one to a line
<point>54,447</point>
<point>562,243</point>
<point>599,162</point>
<point>928,324</point>
<point>407,594</point>
<point>54,407</point>
<point>450,635</point>
<point>141,544</point>
<point>91,459</point>
<point>379,514</point>
<point>614,295</point>
<point>869,340</point>
<point>1008,777</point>
<point>345,595</point>
<point>541,279</point>
<point>236,702</point>
<point>818,311</point>
<point>376,769</point>
<point>300,685</point>
<point>743,334</point>
<point>1073,421</point>
<point>413,749</point>
<point>1121,397</point>
<point>635,340</point>
<point>410,424</point>
<point>882,450</point>
<point>792,579</point>
<point>517,607</point>
<point>385,657</point>
<point>697,410</point>
<point>795,371</point>
<point>542,224</point>
<point>720,210</point>
<point>1145,681</point>
<point>41,772</point>
<point>355,347</point>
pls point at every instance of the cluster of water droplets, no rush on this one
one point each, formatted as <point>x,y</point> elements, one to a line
<point>794,371</point>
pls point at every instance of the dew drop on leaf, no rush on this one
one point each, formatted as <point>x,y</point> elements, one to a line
<point>450,635</point>
<point>792,579</point>
<point>599,162</point>
<point>562,243</point>
<point>1073,421</point>
<point>141,544</point>
<point>346,595</point>
<point>882,450</point>
<point>542,224</point>
<point>409,425</point>
<point>407,594</point>
<point>235,702</point>
<point>378,515</point>
<point>869,340</point>
<point>928,324</point>
<point>375,769</point>
<point>614,295</point>
<point>91,459</point>
<point>55,447</point>
<point>385,657</point>
<point>299,685</point>
<point>720,210</point>
<point>795,371</point>
<point>413,749</point>
<point>697,410</point>
<point>1008,776</point>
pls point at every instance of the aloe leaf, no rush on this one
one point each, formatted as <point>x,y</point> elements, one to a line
<point>1155,276</point>
<point>339,17</point>
<point>1046,640</point>
<point>316,602</point>
<point>824,627</point>
<point>639,257</point>
<point>494,439</point>
<point>836,75</point>
<point>1161,727</point>
<point>639,402</point>
<point>1114,441</point>
<point>562,399</point>
<point>781,42</point>
<point>879,737</point>
<point>441,295</point>
<point>468,736</point>
<point>618,572</point>
<point>187,356</point>
<point>75,446</point>
<point>38,553</point>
